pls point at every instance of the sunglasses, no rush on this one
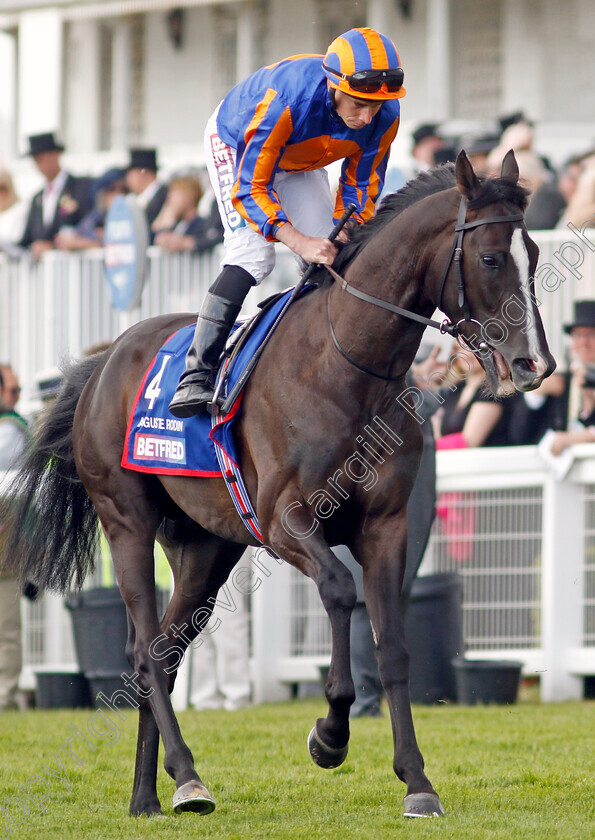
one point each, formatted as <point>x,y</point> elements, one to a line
<point>370,81</point>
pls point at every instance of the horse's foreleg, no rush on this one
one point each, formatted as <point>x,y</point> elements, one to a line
<point>383,559</point>
<point>329,739</point>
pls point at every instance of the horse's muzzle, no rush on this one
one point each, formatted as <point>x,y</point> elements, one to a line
<point>528,374</point>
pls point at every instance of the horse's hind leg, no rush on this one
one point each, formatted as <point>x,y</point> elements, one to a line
<point>130,516</point>
<point>144,791</point>
<point>200,564</point>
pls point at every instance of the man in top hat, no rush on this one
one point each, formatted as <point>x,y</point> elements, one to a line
<point>142,180</point>
<point>567,400</point>
<point>63,201</point>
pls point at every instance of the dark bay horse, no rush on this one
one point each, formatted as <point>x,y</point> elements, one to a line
<point>329,447</point>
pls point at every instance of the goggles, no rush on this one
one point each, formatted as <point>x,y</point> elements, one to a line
<point>370,81</point>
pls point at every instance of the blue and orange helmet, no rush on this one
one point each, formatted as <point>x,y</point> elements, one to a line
<point>364,64</point>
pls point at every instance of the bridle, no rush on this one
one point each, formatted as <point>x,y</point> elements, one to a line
<point>456,256</point>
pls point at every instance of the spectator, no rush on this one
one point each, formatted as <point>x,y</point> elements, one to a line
<point>220,669</point>
<point>267,170</point>
<point>63,201</point>
<point>581,206</point>
<point>470,416</point>
<point>89,232</point>
<point>570,176</point>
<point>574,420</point>
<point>477,148</point>
<point>12,211</point>
<point>178,227</point>
<point>142,181</point>
<point>13,436</point>
<point>12,389</point>
<point>546,202</point>
<point>426,142</point>
<point>506,120</point>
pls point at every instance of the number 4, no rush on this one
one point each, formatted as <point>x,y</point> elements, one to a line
<point>153,390</point>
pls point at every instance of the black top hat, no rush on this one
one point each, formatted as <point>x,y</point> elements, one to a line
<point>423,131</point>
<point>480,144</point>
<point>512,119</point>
<point>143,159</point>
<point>584,315</point>
<point>47,142</point>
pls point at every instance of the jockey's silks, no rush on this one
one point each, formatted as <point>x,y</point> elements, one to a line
<point>281,119</point>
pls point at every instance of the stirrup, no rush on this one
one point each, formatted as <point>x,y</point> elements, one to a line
<point>184,404</point>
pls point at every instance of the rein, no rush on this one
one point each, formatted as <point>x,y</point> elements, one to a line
<point>456,256</point>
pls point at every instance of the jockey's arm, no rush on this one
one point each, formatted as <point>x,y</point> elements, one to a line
<point>314,249</point>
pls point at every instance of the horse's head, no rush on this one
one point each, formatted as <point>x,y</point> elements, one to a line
<point>487,286</point>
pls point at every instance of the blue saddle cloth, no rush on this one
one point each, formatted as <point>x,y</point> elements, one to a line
<point>158,442</point>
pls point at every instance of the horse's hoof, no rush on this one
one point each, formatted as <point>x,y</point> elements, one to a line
<point>323,755</point>
<point>193,796</point>
<point>423,805</point>
<point>153,810</point>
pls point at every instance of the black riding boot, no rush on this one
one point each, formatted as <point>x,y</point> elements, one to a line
<point>215,320</point>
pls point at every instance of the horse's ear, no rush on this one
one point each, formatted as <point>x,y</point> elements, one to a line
<point>467,181</point>
<point>510,168</point>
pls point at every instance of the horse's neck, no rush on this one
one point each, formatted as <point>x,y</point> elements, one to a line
<point>389,269</point>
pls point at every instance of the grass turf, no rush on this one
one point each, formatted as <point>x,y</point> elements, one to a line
<point>517,772</point>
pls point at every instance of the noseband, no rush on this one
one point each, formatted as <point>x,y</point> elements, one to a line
<point>456,256</point>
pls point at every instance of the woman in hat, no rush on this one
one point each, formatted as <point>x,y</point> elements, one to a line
<point>90,230</point>
<point>266,146</point>
<point>565,402</point>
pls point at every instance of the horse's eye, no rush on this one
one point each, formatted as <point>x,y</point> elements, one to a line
<point>490,260</point>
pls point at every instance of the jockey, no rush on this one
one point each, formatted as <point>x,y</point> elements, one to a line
<point>266,148</point>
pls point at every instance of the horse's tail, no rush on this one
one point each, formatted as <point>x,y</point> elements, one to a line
<point>49,524</point>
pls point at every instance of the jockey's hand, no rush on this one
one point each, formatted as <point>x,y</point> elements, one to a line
<point>313,249</point>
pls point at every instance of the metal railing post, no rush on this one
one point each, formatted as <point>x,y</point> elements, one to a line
<point>562,564</point>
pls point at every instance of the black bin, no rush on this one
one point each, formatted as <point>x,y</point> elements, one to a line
<point>434,636</point>
<point>100,630</point>
<point>487,681</point>
<point>61,690</point>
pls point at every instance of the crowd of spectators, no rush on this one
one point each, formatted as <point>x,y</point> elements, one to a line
<point>559,195</point>
<point>68,213</point>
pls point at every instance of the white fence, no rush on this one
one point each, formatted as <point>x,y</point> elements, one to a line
<point>526,556</point>
<point>530,573</point>
<point>527,559</point>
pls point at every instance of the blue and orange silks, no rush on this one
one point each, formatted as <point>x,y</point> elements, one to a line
<point>281,119</point>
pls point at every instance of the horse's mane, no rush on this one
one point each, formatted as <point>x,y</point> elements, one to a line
<point>427,183</point>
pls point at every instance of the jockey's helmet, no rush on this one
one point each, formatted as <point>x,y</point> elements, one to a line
<point>364,64</point>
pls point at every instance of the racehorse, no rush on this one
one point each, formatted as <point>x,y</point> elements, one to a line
<point>333,370</point>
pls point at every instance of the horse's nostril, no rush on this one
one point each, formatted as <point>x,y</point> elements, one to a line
<point>524,366</point>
